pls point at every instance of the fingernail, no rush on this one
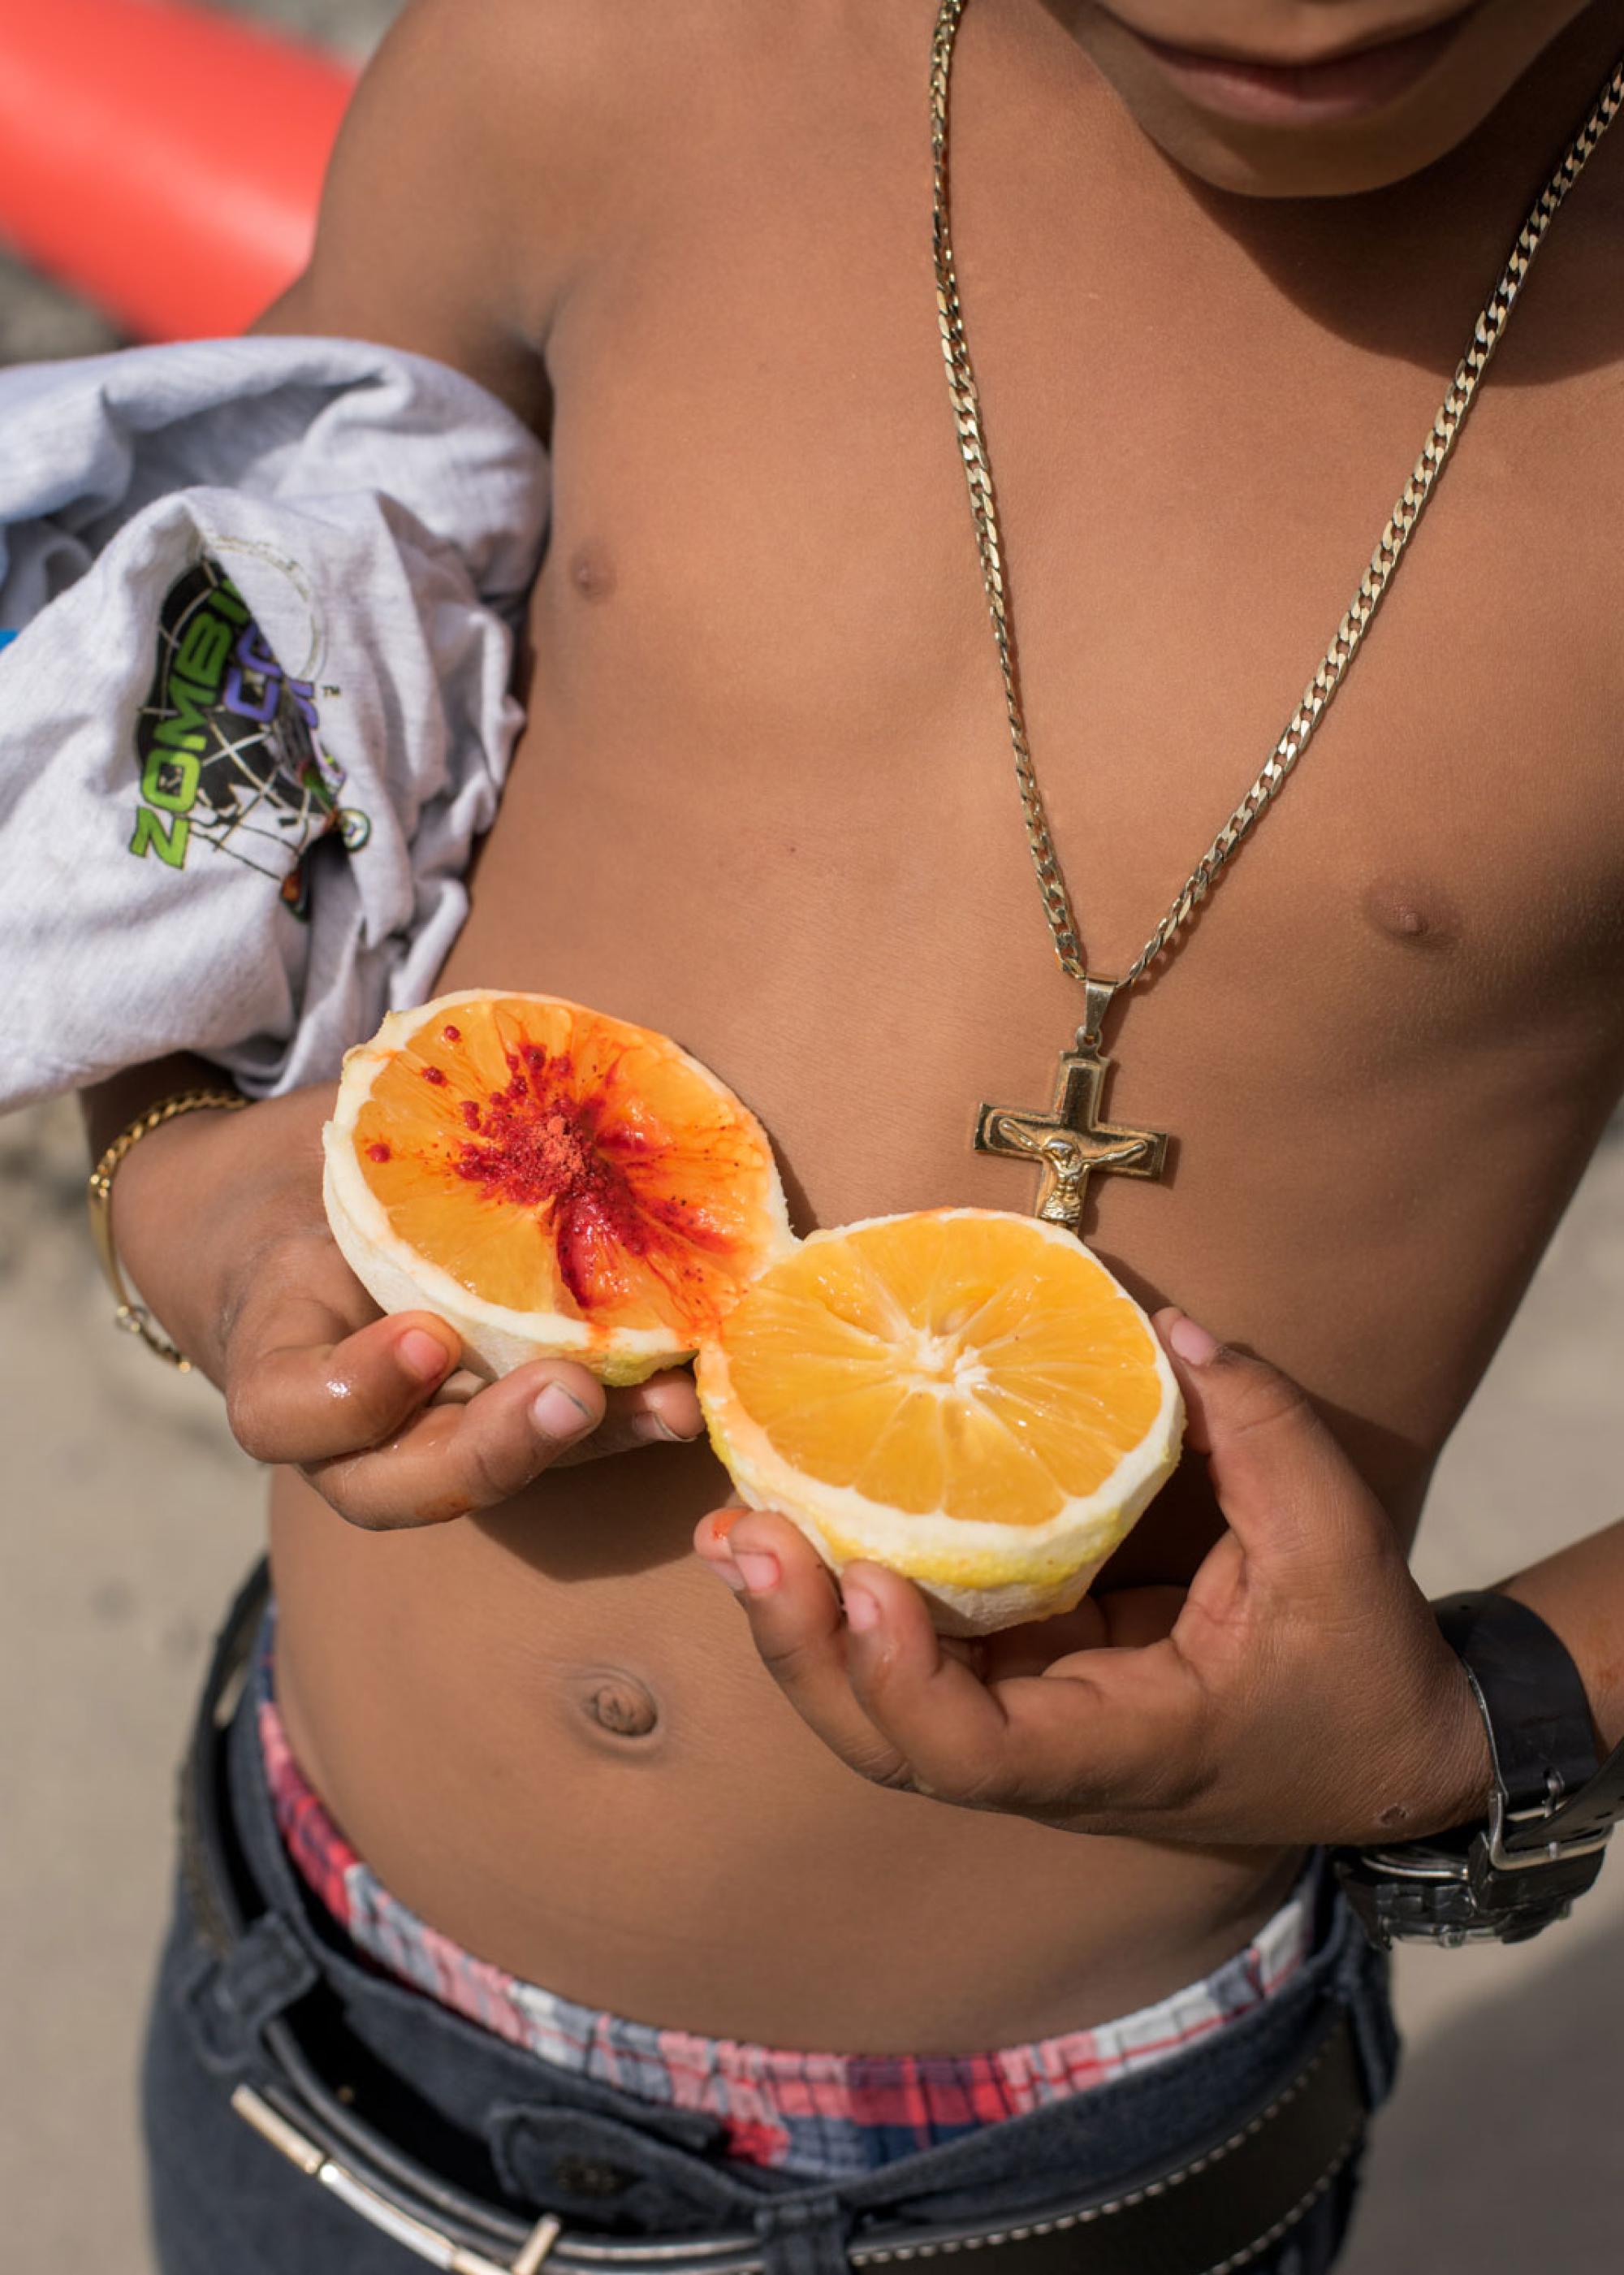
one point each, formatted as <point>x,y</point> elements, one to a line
<point>651,1430</point>
<point>862,1609</point>
<point>557,1414</point>
<point>725,1571</point>
<point>422,1354</point>
<point>761,1571</point>
<point>1192,1343</point>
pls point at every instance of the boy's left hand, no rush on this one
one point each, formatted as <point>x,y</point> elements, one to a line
<point>1297,1692</point>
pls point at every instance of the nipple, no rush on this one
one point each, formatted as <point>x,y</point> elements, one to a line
<point>1413,914</point>
<point>592,572</point>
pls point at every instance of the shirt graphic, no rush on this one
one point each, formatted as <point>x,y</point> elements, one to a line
<point>230,745</point>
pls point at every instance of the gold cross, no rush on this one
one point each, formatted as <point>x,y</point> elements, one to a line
<point>1070,1142</point>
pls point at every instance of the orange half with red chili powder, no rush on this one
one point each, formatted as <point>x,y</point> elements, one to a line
<point>551,1181</point>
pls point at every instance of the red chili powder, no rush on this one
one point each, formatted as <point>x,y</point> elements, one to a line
<point>547,1141</point>
<point>538,1143</point>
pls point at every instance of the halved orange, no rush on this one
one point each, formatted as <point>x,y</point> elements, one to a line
<point>552,1181</point>
<point>965,1395</point>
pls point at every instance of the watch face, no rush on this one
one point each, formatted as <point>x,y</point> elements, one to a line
<point>1425,1895</point>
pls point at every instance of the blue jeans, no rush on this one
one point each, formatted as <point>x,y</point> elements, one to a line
<point>223,2202</point>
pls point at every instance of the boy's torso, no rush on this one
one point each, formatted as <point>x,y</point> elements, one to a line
<point>765,804</point>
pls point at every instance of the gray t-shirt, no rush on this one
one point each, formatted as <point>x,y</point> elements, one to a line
<point>258,703</point>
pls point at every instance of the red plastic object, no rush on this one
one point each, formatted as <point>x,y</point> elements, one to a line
<point>164,160</point>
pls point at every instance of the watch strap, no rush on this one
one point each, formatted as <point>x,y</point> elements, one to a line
<point>1592,1813</point>
<point>1550,1808</point>
<point>1533,1705</point>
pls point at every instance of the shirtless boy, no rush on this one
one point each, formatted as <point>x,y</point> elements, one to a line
<point>763,804</point>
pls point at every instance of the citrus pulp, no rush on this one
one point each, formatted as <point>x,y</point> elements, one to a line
<point>965,1395</point>
<point>551,1181</point>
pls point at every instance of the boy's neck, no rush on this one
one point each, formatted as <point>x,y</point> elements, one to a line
<point>1381,267</point>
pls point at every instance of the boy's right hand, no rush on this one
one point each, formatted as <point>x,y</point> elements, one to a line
<point>219,1222</point>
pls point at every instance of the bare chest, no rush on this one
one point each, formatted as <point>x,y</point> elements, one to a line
<point>766,800</point>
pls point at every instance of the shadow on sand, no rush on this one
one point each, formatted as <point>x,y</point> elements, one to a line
<point>1500,2153</point>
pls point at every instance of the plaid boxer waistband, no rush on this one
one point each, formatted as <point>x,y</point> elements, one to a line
<point>827,2116</point>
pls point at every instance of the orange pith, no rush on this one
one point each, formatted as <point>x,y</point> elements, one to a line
<point>936,1365</point>
<point>555,1161</point>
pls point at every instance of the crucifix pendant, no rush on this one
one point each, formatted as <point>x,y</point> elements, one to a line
<point>1070,1142</point>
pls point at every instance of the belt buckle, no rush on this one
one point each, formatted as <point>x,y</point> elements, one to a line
<point>430,2243</point>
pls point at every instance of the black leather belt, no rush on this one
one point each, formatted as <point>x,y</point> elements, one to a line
<point>1218,2209</point>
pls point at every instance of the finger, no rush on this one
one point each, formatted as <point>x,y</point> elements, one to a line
<point>1284,1486</point>
<point>930,1703</point>
<point>662,1411</point>
<point>793,1610</point>
<point>301,1386</point>
<point>1100,1729</point>
<point>452,1460</point>
<point>1034,1645</point>
<point>1123,1617</point>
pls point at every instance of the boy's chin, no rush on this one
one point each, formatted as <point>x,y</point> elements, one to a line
<point>1244,139</point>
<point>1320,162</point>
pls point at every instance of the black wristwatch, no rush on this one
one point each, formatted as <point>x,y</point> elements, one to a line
<point>1551,1808</point>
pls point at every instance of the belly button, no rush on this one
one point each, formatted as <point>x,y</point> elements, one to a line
<point>618,1705</point>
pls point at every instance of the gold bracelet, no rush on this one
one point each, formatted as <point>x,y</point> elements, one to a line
<point>134,1317</point>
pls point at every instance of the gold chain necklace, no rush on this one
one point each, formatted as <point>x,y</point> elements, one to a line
<point>1070,1143</point>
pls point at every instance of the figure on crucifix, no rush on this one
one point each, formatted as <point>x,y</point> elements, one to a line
<point>1070,1142</point>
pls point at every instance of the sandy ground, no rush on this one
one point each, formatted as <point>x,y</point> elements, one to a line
<point>134,1515</point>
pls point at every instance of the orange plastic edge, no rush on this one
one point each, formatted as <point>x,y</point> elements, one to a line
<point>164,160</point>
